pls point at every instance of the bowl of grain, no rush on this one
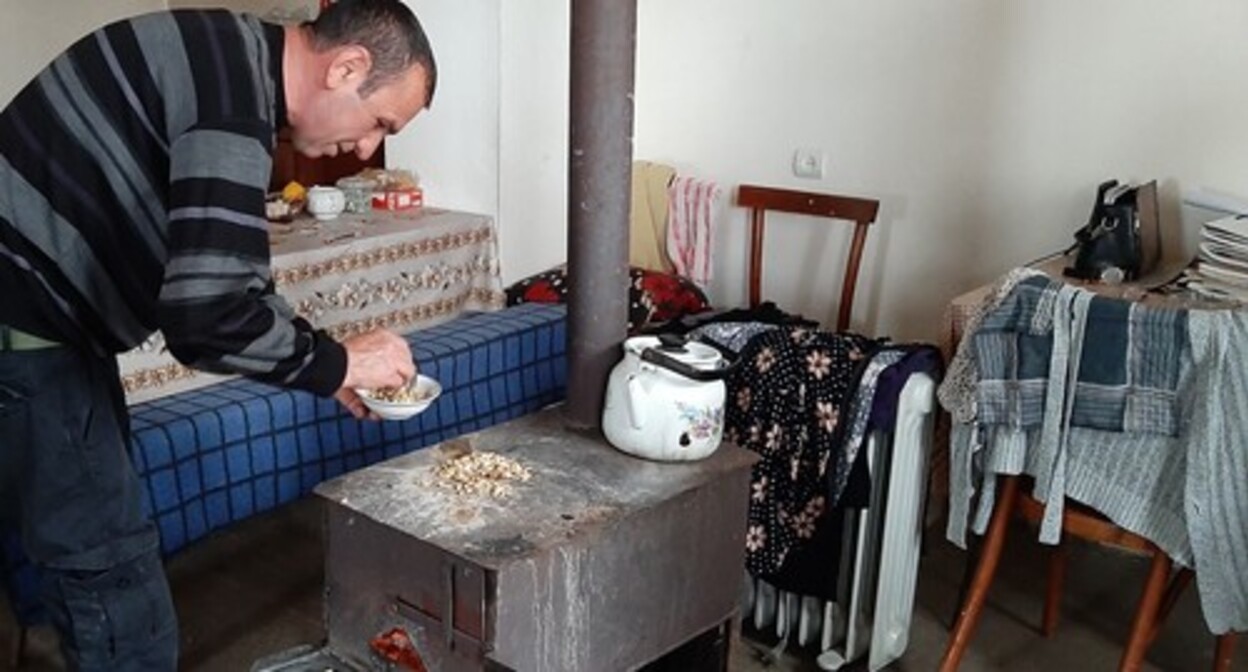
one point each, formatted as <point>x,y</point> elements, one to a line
<point>401,403</point>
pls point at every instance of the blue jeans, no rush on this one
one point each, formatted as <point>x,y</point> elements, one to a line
<point>67,485</point>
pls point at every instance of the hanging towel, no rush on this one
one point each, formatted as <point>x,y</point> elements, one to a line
<point>690,219</point>
<point>647,232</point>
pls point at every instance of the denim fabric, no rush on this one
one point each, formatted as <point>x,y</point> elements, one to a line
<point>67,485</point>
<point>1130,364</point>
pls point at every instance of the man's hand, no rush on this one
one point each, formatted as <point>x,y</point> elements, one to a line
<point>377,359</point>
<point>347,397</point>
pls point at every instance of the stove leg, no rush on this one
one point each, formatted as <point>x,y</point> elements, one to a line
<point>709,651</point>
<point>730,640</point>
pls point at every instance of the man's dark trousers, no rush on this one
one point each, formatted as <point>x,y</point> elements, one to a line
<point>67,484</point>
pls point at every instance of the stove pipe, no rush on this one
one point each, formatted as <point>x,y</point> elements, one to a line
<point>599,187</point>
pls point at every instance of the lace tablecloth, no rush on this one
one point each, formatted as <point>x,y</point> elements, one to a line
<point>400,271</point>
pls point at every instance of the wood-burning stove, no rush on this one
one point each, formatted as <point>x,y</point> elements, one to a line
<point>599,562</point>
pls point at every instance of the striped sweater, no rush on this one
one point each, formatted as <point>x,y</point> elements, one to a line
<point>133,172</point>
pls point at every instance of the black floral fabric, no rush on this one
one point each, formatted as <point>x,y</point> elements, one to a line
<point>785,400</point>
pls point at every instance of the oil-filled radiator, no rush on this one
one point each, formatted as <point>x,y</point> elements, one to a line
<point>879,560</point>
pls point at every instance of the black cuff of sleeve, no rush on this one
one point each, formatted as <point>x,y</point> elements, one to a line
<point>329,366</point>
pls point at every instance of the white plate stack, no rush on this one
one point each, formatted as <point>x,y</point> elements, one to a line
<point>1221,269</point>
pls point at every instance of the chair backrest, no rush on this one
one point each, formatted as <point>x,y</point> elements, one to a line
<point>860,211</point>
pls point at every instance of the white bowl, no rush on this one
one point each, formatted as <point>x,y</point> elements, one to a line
<point>326,202</point>
<point>426,387</point>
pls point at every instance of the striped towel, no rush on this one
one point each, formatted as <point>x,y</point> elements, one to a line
<point>692,205</point>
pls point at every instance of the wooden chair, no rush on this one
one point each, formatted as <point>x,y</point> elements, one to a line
<point>1159,597</point>
<point>761,200</point>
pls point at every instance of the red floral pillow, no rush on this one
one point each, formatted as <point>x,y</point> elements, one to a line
<point>652,296</point>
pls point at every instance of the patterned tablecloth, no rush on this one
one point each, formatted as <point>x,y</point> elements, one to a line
<point>400,271</point>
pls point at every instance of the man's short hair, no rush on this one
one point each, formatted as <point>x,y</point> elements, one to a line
<point>388,30</point>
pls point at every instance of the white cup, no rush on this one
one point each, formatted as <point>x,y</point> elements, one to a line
<point>326,202</point>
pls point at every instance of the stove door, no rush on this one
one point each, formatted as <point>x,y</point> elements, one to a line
<point>391,598</point>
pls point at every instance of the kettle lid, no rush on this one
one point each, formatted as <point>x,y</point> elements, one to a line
<point>697,355</point>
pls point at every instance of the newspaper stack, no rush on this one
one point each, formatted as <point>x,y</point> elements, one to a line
<point>1221,269</point>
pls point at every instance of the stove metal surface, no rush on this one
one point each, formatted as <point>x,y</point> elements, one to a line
<point>600,561</point>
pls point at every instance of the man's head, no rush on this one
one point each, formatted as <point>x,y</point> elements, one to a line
<point>367,71</point>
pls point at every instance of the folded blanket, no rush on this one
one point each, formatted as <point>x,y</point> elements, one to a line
<point>647,230</point>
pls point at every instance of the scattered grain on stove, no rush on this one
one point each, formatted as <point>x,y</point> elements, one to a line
<point>481,473</point>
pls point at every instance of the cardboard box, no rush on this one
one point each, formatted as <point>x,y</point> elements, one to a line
<point>398,199</point>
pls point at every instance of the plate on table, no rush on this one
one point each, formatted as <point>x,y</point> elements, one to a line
<point>402,403</point>
<point>280,210</point>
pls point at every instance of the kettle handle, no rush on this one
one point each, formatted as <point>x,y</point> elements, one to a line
<point>636,409</point>
<point>654,356</point>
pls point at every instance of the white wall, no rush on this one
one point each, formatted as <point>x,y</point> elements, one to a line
<point>455,145</point>
<point>33,33</point>
<point>982,126</point>
<point>533,149</point>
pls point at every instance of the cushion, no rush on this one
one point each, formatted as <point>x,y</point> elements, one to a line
<point>653,296</point>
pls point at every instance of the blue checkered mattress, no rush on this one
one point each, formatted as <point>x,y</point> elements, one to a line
<point>217,455</point>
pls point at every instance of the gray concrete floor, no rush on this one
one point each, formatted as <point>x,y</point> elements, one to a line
<point>255,589</point>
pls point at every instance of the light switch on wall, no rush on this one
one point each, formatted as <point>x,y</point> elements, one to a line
<point>808,163</point>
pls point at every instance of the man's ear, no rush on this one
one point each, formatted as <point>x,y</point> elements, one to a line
<point>350,65</point>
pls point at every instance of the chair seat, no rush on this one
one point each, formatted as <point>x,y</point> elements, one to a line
<point>1088,524</point>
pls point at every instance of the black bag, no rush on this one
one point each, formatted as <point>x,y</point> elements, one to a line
<point>1109,245</point>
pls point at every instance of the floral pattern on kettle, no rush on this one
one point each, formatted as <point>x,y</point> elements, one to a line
<point>704,421</point>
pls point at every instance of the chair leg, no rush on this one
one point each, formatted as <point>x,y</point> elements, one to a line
<point>974,552</point>
<point>1225,646</point>
<point>1223,652</point>
<point>1177,585</point>
<point>985,570</point>
<point>1053,591</point>
<point>1142,627</point>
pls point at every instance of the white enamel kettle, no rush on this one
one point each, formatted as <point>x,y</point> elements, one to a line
<point>665,399</point>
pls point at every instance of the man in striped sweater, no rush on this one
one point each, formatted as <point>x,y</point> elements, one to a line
<point>133,172</point>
